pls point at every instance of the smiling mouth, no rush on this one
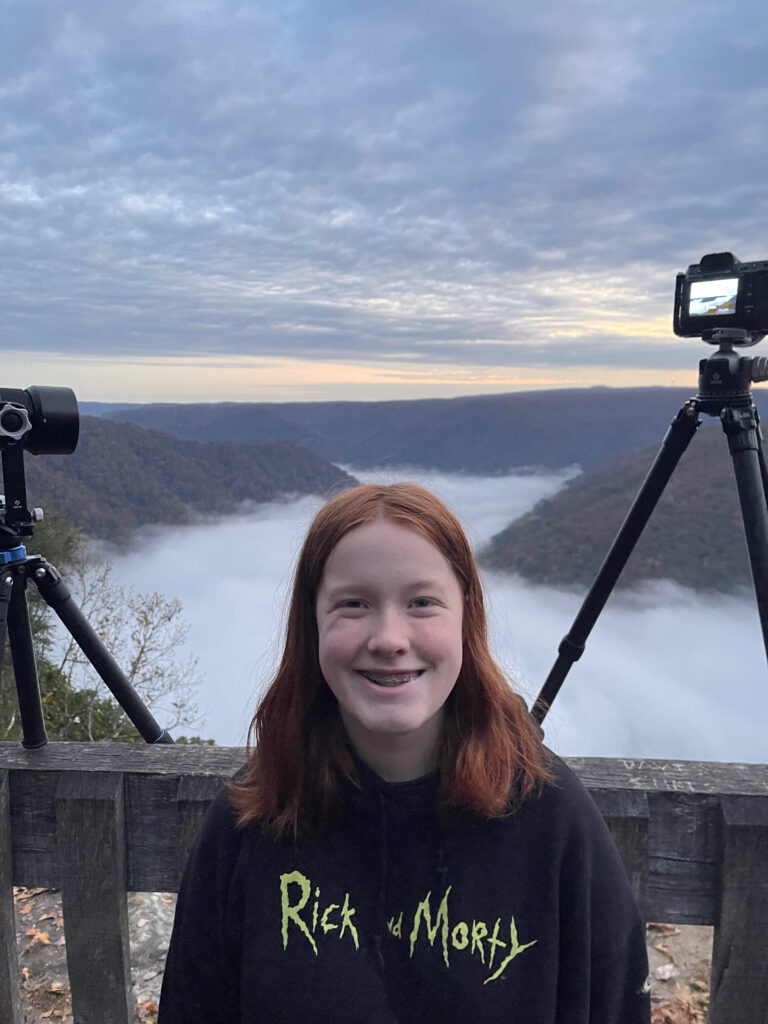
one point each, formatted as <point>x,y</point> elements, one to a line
<point>391,678</point>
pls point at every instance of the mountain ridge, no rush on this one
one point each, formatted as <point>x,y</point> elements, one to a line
<point>485,434</point>
<point>122,476</point>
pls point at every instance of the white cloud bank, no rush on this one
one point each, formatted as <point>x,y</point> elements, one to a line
<point>666,672</point>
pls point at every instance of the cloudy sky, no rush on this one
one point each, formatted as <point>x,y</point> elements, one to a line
<point>318,199</point>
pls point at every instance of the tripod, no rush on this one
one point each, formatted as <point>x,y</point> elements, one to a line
<point>725,390</point>
<point>16,569</point>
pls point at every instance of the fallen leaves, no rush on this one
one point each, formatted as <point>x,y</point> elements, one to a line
<point>37,936</point>
<point>662,929</point>
<point>664,951</point>
<point>40,930</point>
<point>57,918</point>
<point>146,1010</point>
<point>46,1000</point>
<point>21,892</point>
<point>688,1005</point>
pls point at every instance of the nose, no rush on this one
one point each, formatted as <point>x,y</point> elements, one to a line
<point>389,633</point>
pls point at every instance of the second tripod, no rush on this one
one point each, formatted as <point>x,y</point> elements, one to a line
<point>725,382</point>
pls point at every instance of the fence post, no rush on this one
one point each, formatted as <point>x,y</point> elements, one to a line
<point>91,841</point>
<point>193,795</point>
<point>739,978</point>
<point>10,1000</point>
<point>627,815</point>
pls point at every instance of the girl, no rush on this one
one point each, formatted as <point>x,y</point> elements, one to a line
<point>400,846</point>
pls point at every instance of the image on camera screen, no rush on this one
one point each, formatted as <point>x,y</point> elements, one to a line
<point>713,298</point>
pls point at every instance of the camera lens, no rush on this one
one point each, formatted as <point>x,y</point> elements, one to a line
<point>45,420</point>
<point>55,419</point>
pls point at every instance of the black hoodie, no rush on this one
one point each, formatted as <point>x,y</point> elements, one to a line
<point>390,917</point>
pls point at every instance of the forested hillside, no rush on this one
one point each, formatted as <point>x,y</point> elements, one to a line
<point>695,535</point>
<point>122,476</point>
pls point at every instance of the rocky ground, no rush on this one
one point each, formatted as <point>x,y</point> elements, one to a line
<point>42,953</point>
<point>679,957</point>
<point>679,960</point>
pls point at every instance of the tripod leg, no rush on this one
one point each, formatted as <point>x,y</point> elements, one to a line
<point>763,467</point>
<point>24,667</point>
<point>6,588</point>
<point>676,440</point>
<point>56,594</point>
<point>741,428</point>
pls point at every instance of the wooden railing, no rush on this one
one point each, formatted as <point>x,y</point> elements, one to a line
<point>96,820</point>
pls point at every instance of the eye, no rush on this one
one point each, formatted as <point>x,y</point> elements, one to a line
<point>423,602</point>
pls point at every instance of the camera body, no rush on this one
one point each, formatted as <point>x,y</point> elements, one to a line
<point>722,292</point>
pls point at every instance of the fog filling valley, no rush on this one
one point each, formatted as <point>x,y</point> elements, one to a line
<point>666,673</point>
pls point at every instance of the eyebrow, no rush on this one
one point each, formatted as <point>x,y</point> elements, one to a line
<point>343,588</point>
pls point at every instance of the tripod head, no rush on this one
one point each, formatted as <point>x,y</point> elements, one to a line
<point>725,377</point>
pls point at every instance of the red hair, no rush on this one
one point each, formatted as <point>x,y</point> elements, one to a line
<point>491,755</point>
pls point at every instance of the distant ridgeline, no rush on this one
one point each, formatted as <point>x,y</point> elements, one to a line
<point>488,435</point>
<point>128,470</point>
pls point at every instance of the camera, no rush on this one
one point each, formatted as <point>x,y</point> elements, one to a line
<point>45,421</point>
<point>722,292</point>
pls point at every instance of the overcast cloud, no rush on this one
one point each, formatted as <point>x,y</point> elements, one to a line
<point>666,673</point>
<point>462,181</point>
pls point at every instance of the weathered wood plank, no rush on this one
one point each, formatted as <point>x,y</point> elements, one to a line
<point>10,998</point>
<point>144,758</point>
<point>627,815</point>
<point>663,776</point>
<point>33,828</point>
<point>683,859</point>
<point>193,797</point>
<point>739,978</point>
<point>644,774</point>
<point>151,849</point>
<point>676,880</point>
<point>151,780</point>
<point>91,839</point>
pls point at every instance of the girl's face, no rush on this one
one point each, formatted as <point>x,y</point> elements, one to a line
<point>389,617</point>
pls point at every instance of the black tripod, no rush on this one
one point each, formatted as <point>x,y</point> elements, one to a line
<point>16,569</point>
<point>725,390</point>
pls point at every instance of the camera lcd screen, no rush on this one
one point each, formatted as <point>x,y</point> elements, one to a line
<point>713,298</point>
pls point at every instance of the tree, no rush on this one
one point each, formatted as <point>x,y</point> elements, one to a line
<point>143,632</point>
